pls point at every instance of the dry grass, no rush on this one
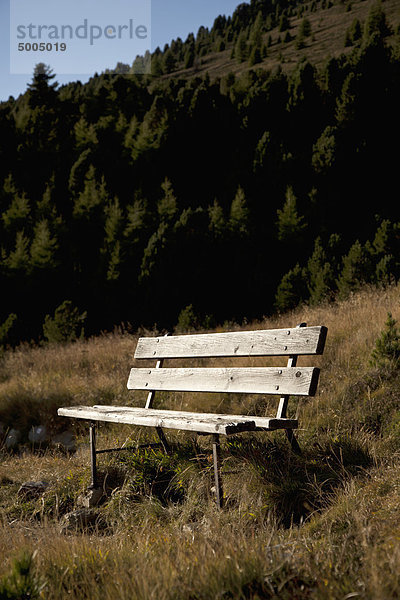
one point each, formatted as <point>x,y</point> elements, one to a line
<point>323,525</point>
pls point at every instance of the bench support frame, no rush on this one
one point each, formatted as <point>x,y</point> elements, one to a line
<point>93,465</point>
<point>217,472</point>
<point>281,413</point>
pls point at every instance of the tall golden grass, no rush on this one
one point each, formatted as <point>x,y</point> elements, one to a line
<point>323,525</point>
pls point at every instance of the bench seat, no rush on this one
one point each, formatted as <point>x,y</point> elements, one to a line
<point>173,419</point>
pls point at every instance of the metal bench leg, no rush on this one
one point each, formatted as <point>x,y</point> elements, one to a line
<point>92,438</point>
<point>217,473</point>
<point>293,442</point>
<point>163,440</point>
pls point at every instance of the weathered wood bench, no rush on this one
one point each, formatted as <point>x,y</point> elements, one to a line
<point>280,381</point>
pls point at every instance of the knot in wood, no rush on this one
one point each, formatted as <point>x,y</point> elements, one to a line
<point>298,374</point>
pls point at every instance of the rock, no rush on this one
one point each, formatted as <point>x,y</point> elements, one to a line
<point>91,498</point>
<point>65,441</point>
<point>81,519</point>
<point>12,439</point>
<point>38,435</point>
<point>32,489</point>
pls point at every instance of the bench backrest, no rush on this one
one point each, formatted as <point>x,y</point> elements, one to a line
<point>284,381</point>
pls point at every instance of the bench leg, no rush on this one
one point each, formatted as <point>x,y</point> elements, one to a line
<point>92,439</point>
<point>293,442</point>
<point>163,440</point>
<point>217,472</point>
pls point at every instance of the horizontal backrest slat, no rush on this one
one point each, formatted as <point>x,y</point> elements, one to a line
<point>300,381</point>
<point>268,342</point>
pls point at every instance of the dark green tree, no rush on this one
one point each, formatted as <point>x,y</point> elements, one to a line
<point>358,268</point>
<point>189,58</point>
<point>387,347</point>
<point>239,214</point>
<point>167,206</point>
<point>255,56</point>
<point>217,220</point>
<point>376,22</point>
<point>290,224</point>
<point>67,324</point>
<point>292,289</point>
<point>241,50</point>
<point>42,91</point>
<point>321,280</point>
<point>169,61</point>
<point>353,33</point>
<point>44,247</point>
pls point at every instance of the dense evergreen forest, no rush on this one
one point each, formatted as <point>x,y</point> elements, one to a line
<point>147,199</point>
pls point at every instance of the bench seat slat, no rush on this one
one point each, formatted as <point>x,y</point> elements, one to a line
<point>301,381</point>
<point>171,419</point>
<point>269,342</point>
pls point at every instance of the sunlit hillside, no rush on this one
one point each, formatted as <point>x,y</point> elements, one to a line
<point>321,525</point>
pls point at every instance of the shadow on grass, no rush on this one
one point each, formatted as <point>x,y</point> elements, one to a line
<point>295,486</point>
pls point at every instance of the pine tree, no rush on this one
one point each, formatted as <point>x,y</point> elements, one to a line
<point>5,329</point>
<point>66,325</point>
<point>114,222</point>
<point>346,105</point>
<point>287,38</point>
<point>93,198</point>
<point>189,58</point>
<point>167,206</point>
<point>320,274</point>
<point>85,134</point>
<point>18,213</point>
<point>303,33</point>
<point>217,221</point>
<point>241,51</point>
<point>19,259</point>
<point>156,66</point>
<point>305,28</point>
<point>169,62</point>
<point>41,91</point>
<point>353,33</point>
<point>256,31</point>
<point>136,220</point>
<point>239,214</point>
<point>152,130</point>
<point>387,347</point>
<point>44,247</point>
<point>290,223</point>
<point>255,56</point>
<point>324,151</point>
<point>284,23</point>
<point>376,22</point>
<point>292,289</point>
<point>357,269</point>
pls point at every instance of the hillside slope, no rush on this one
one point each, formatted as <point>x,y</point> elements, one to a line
<point>321,526</point>
<point>329,23</point>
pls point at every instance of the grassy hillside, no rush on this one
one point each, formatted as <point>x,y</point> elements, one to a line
<point>329,24</point>
<point>322,525</point>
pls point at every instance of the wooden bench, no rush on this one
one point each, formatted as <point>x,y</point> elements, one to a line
<point>281,381</point>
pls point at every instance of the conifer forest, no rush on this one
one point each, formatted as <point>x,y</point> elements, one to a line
<point>181,196</point>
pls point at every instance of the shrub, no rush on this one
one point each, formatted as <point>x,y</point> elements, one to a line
<point>66,325</point>
<point>187,320</point>
<point>387,346</point>
<point>23,583</point>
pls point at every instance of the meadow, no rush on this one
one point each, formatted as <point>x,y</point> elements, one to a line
<point>322,525</point>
